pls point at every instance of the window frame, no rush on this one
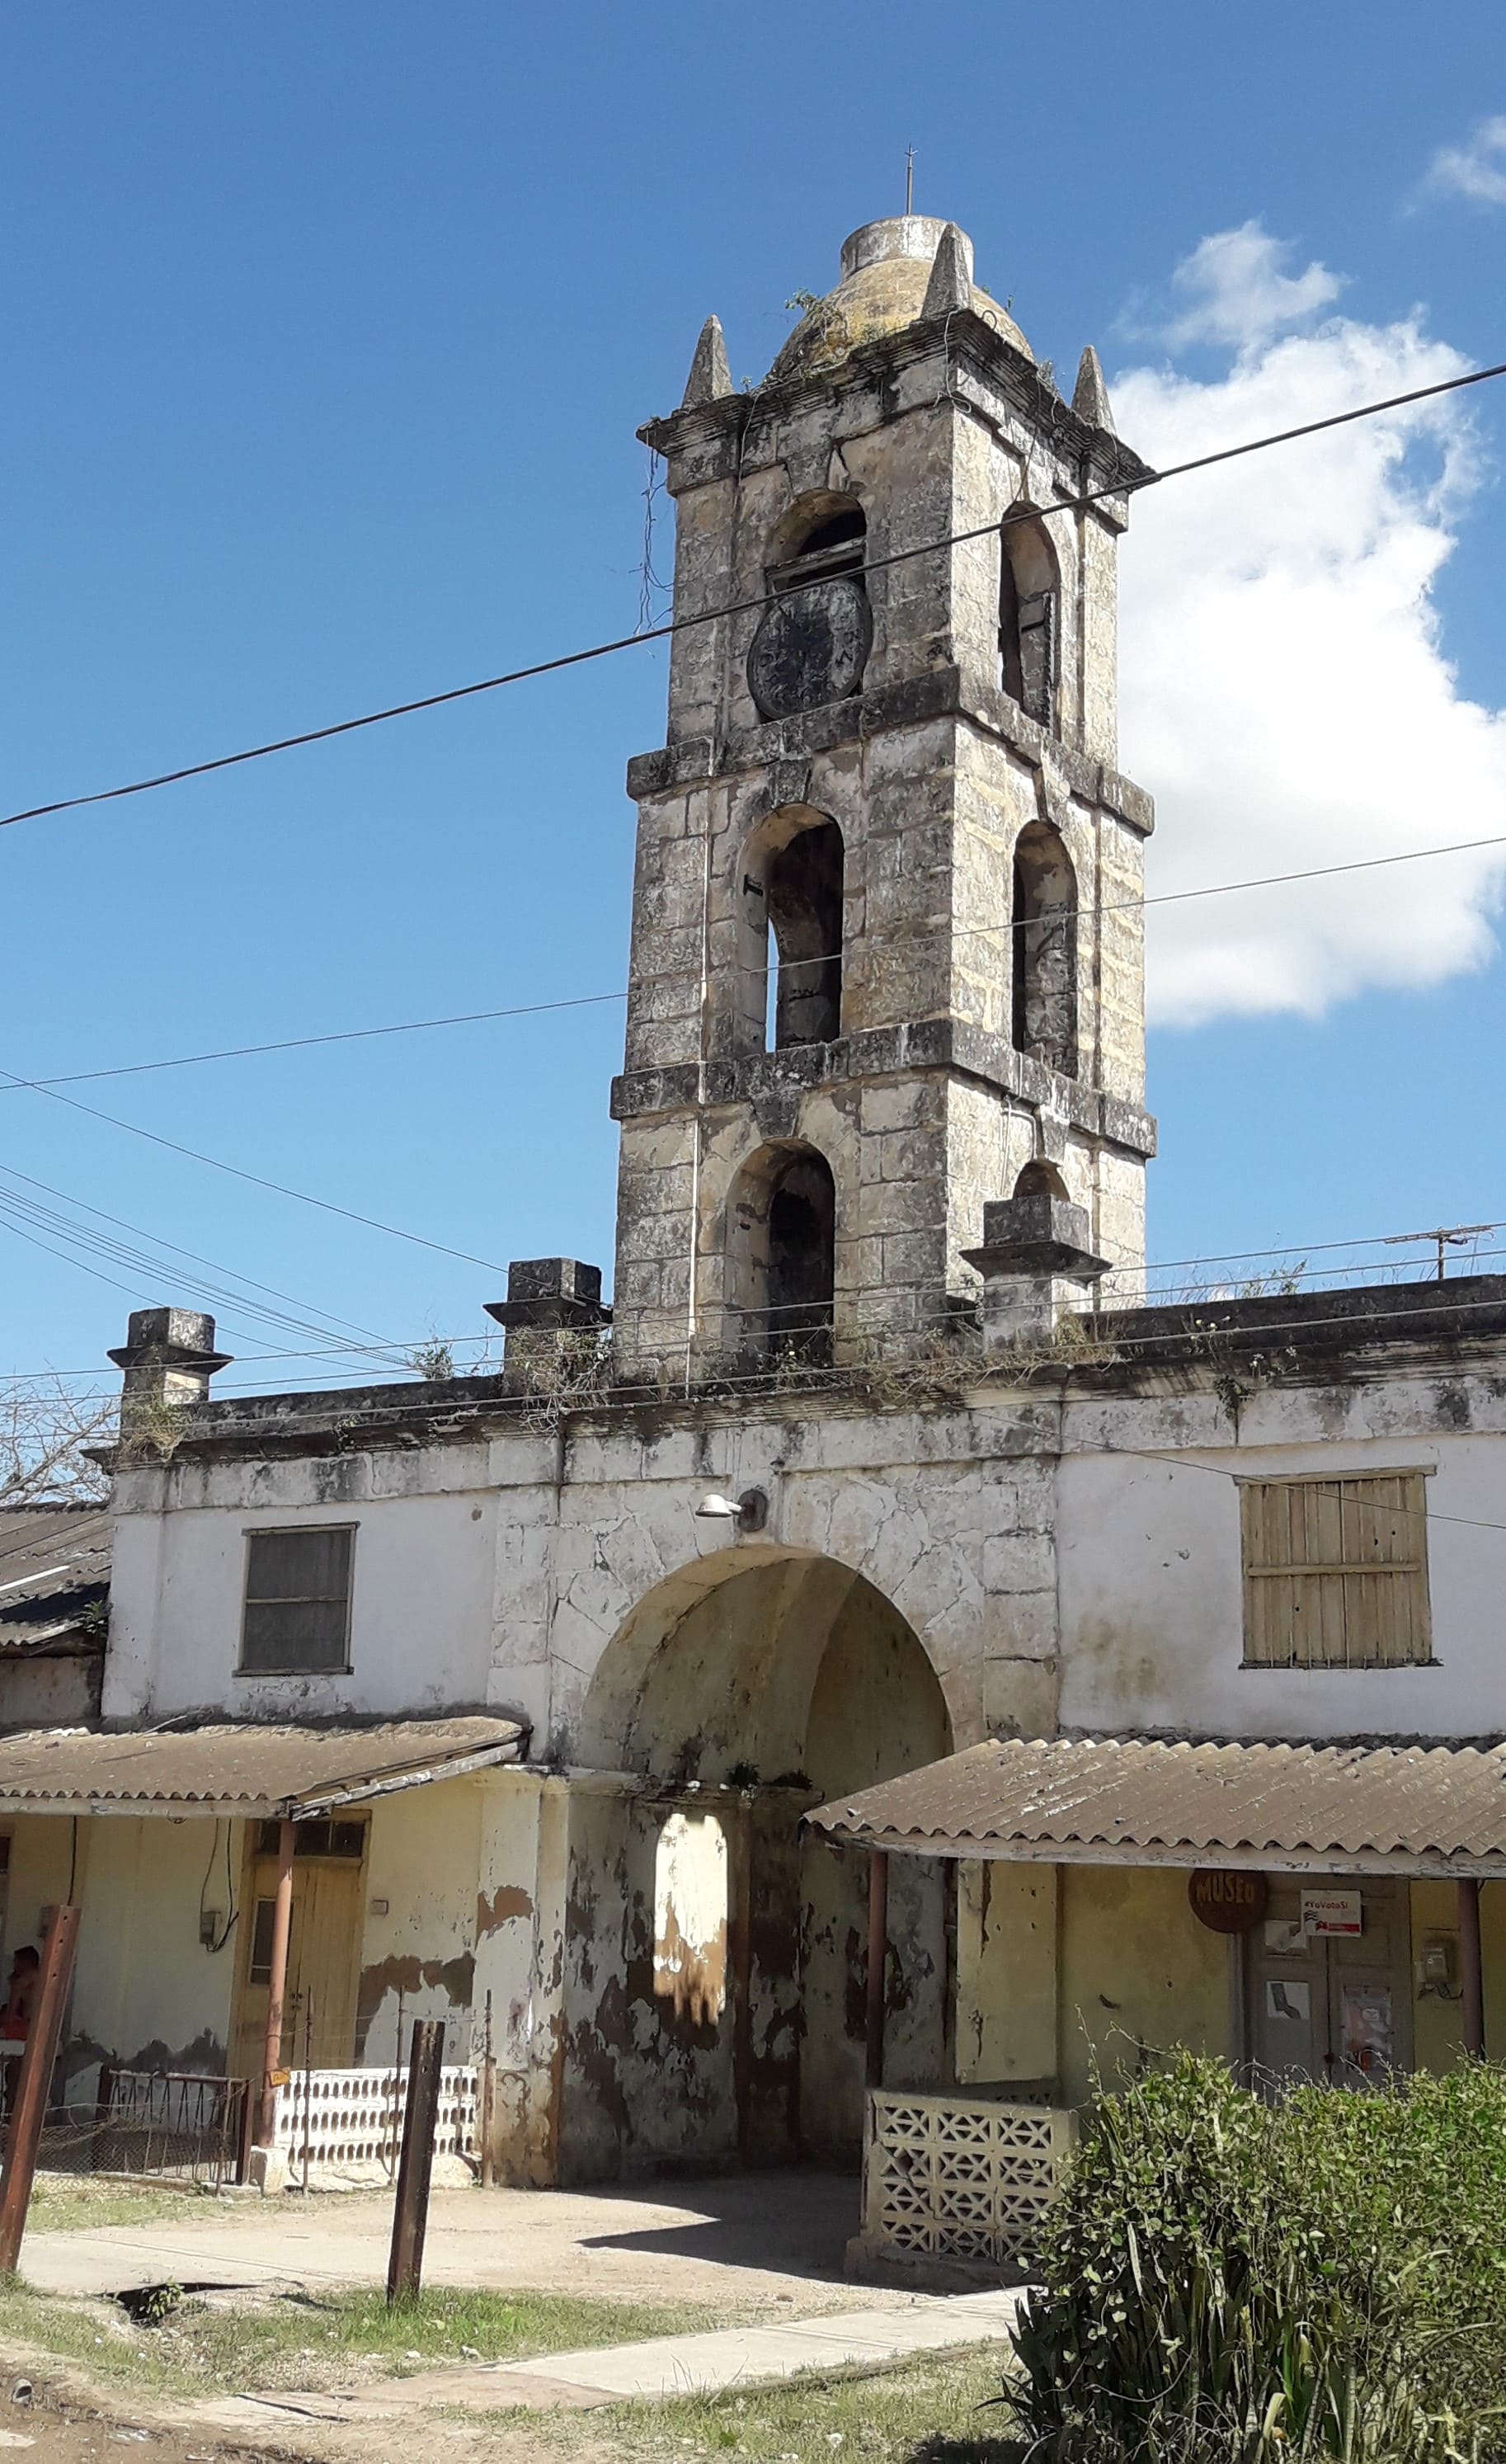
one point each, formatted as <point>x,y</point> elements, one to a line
<point>252,1533</point>
<point>1415,1571</point>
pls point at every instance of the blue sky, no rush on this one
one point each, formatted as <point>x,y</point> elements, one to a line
<point>327,332</point>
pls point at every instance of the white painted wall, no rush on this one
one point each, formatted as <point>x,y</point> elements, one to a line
<point>1148,1562</point>
<point>426,1561</point>
<point>1101,1591</point>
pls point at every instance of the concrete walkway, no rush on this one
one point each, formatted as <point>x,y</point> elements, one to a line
<point>669,2366</point>
<point>749,2243</point>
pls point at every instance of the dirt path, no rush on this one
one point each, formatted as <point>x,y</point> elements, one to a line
<point>769,2240</point>
<point>57,2429</point>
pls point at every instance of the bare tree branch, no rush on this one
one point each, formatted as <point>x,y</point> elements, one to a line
<point>44,1430</point>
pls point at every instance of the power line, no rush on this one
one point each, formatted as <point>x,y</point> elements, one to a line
<point>596,1000</point>
<point>255,1180</point>
<point>1127,486</point>
<point>317,1323</point>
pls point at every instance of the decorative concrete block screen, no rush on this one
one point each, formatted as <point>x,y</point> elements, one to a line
<point>958,2182</point>
<point>355,2118</point>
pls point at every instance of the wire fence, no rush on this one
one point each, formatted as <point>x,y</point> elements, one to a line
<point>171,2125</point>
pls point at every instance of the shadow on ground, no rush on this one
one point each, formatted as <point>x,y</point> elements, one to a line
<point>796,2223</point>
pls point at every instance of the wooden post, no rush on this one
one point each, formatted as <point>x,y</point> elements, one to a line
<point>410,2207</point>
<point>276,1987</point>
<point>488,2079</point>
<point>1471,1974</point>
<point>24,2136</point>
<point>878,1960</point>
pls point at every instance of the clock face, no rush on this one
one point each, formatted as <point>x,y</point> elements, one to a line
<point>811,646</point>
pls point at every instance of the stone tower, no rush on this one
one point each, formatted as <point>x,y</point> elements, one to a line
<point>887,967</point>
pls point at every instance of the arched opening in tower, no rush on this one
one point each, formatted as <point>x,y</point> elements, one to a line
<point>813,640</point>
<point>1043,947</point>
<point>1041,1180</point>
<point>802,1259</point>
<point>803,889</point>
<point>1030,595</point>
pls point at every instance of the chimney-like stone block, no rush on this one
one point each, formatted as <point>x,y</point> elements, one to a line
<point>1035,1258</point>
<point>168,1357</point>
<point>544,1297</point>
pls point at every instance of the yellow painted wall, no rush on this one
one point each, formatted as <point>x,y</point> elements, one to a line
<point>424,1860</point>
<point>146,1994</point>
<point>149,1991</point>
<point>1437,2021</point>
<point>1057,1965</point>
<point>1006,1918</point>
<point>1139,1975</point>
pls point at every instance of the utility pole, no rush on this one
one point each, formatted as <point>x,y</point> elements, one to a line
<point>415,2165</point>
<point>25,2134</point>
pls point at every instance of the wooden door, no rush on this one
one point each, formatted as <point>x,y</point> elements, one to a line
<point>1369,1991</point>
<point>320,2011</point>
<point>1334,2007</point>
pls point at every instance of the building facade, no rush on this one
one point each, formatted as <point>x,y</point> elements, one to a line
<point>881,1463</point>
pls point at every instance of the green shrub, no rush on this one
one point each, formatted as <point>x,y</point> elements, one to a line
<point>1229,2279</point>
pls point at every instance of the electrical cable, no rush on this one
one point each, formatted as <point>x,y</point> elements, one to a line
<point>14,1083</point>
<point>1127,486</point>
<point>257,1180</point>
<point>315,1324</point>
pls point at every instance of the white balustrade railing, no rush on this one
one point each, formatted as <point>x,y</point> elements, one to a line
<point>349,2120</point>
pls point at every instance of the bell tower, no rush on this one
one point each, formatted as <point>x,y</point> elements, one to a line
<point>886,962</point>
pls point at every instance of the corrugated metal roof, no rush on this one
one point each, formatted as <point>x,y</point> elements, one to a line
<point>55,1577</point>
<point>1131,1800</point>
<point>247,1769</point>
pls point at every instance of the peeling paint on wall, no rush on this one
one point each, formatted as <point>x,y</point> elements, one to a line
<point>506,1901</point>
<point>690,1914</point>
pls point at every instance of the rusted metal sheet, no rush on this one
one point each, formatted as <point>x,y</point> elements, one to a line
<point>1137,1801</point>
<point>245,1768</point>
<point>55,1578</point>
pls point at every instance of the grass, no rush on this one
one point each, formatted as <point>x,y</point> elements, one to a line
<point>314,2341</point>
<point>926,2411</point>
<point>61,2203</point>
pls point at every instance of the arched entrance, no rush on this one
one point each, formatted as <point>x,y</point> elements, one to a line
<point>716,1956</point>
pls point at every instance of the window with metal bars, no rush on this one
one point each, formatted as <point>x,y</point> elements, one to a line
<point>298,1601</point>
<point>1336,1572</point>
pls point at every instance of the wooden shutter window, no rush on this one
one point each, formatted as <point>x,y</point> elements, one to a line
<point>1336,1572</point>
<point>1037,654</point>
<point>298,1602</point>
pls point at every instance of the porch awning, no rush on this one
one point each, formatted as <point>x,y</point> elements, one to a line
<point>247,1769</point>
<point>1134,1801</point>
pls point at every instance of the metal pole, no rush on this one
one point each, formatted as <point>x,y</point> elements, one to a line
<point>1471,1972</point>
<point>276,1987</point>
<point>488,2099</point>
<point>410,2207</point>
<point>878,1960</point>
<point>308,2079</point>
<point>24,2135</point>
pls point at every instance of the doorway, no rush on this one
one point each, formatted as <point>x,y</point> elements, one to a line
<point>323,1949</point>
<point>1334,2006</point>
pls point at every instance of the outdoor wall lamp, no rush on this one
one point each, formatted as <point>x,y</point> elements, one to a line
<point>749,1511</point>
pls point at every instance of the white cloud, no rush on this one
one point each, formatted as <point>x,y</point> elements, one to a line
<point>1476,170</point>
<point>1284,690</point>
<point>1236,291</point>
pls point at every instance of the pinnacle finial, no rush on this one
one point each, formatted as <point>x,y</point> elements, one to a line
<point>1090,394</point>
<point>709,377</point>
<point>951,284</point>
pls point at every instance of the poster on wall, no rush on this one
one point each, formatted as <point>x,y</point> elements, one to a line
<point>1325,1911</point>
<point>1368,2033</point>
<point>1284,1936</point>
<point>1289,1998</point>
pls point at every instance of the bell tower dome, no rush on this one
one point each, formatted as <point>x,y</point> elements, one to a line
<point>887,962</point>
